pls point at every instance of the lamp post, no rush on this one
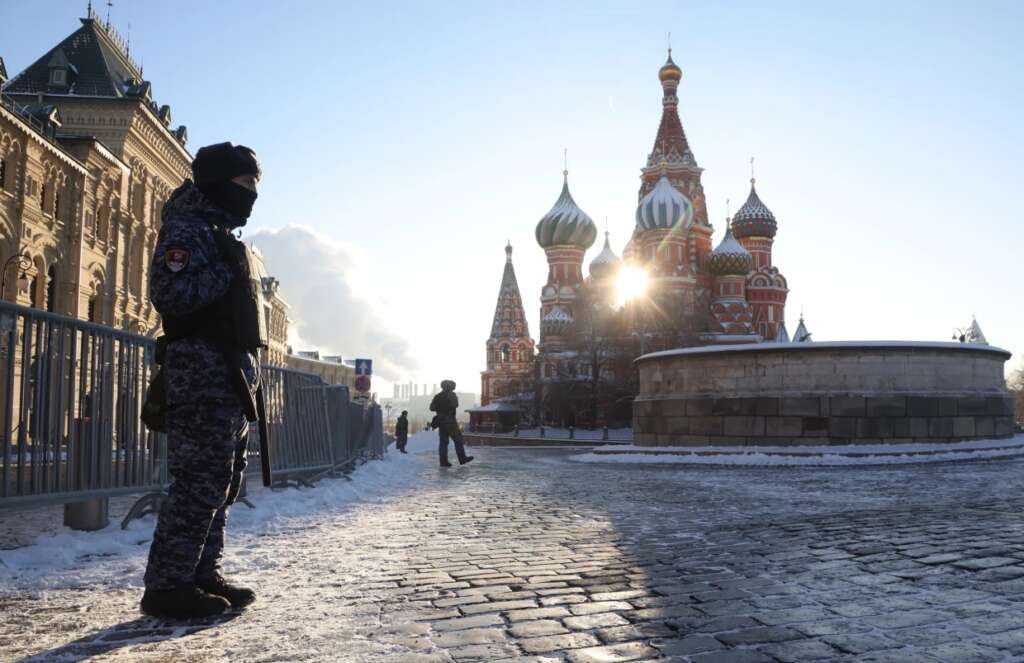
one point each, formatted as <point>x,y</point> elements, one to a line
<point>24,263</point>
<point>387,420</point>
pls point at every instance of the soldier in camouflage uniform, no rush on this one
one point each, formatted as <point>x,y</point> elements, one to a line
<point>446,403</point>
<point>201,282</point>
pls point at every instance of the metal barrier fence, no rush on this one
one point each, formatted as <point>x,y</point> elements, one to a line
<point>71,393</point>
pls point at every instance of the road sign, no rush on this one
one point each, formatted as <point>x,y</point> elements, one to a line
<point>364,367</point>
<point>362,383</point>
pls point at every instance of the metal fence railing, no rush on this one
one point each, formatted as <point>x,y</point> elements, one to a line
<point>71,393</point>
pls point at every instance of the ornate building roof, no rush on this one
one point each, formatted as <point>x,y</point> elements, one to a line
<point>670,144</point>
<point>729,257</point>
<point>801,335</point>
<point>754,219</point>
<point>606,262</point>
<point>565,223</point>
<point>509,315</point>
<point>782,335</point>
<point>664,207</point>
<point>99,65</point>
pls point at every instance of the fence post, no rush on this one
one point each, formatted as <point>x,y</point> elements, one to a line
<point>604,433</point>
<point>572,433</point>
<point>88,516</point>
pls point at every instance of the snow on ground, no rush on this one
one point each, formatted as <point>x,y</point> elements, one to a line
<point>69,557</point>
<point>854,454</point>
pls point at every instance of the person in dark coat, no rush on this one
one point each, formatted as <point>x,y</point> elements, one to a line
<point>445,403</point>
<point>202,284</point>
<point>402,431</point>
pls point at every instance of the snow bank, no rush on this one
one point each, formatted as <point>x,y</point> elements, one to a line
<point>873,454</point>
<point>71,558</point>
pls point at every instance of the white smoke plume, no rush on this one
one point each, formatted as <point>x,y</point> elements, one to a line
<point>321,281</point>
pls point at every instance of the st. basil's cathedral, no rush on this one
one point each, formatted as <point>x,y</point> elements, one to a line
<point>694,294</point>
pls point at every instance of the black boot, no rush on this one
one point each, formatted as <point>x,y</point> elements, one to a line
<point>182,603</point>
<point>239,597</point>
<point>465,460</point>
<point>445,463</point>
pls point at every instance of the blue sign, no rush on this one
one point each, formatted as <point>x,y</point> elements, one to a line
<point>364,367</point>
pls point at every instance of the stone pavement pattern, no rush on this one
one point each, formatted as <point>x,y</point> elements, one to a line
<point>527,556</point>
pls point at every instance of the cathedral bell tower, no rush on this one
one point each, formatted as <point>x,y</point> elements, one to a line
<point>509,348</point>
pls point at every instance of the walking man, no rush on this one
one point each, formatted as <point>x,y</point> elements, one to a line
<point>202,283</point>
<point>402,431</point>
<point>446,404</point>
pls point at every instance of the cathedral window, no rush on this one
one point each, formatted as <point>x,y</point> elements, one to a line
<point>57,211</point>
<point>43,192</point>
<point>3,174</point>
<point>506,354</point>
<point>91,310</point>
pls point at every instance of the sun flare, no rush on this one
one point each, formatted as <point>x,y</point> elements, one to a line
<point>631,284</point>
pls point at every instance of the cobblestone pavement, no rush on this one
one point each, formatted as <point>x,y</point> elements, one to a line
<point>526,556</point>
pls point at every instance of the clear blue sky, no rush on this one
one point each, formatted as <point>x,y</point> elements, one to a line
<point>423,136</point>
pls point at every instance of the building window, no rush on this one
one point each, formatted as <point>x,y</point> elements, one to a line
<point>549,370</point>
<point>506,354</point>
<point>3,174</point>
<point>42,196</point>
<point>51,289</point>
<point>91,310</point>
<point>58,77</point>
<point>57,211</point>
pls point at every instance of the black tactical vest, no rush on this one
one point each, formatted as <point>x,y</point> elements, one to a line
<point>237,318</point>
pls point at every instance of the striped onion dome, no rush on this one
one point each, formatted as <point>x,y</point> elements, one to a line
<point>729,258</point>
<point>566,223</point>
<point>664,207</point>
<point>606,262</point>
<point>556,319</point>
<point>754,219</point>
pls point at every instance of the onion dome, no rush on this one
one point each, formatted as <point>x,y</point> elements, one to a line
<point>664,207</point>
<point>556,320</point>
<point>754,219</point>
<point>606,262</point>
<point>670,71</point>
<point>566,223</point>
<point>729,258</point>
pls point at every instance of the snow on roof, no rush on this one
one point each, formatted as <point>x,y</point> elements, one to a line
<point>829,345</point>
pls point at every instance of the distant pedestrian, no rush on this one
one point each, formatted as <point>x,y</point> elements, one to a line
<point>402,430</point>
<point>446,404</point>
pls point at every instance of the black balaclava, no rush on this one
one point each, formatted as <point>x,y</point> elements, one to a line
<point>213,169</point>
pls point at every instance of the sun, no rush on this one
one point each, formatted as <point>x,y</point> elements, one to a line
<point>631,284</point>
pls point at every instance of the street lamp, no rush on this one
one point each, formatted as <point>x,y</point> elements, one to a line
<point>387,420</point>
<point>24,262</point>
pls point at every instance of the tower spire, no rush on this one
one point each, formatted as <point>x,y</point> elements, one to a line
<point>752,171</point>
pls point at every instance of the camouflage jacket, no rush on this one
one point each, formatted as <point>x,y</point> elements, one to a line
<point>188,273</point>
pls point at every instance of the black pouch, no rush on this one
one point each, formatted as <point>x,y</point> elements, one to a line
<point>154,409</point>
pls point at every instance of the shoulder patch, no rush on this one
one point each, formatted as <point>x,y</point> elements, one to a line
<point>177,259</point>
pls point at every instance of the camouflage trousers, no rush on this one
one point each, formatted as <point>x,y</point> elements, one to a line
<point>449,429</point>
<point>206,459</point>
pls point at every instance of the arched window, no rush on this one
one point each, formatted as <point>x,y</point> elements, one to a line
<point>3,173</point>
<point>506,354</point>
<point>91,309</point>
<point>51,288</point>
<point>43,193</point>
